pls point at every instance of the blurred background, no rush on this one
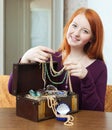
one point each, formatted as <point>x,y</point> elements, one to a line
<point>28,23</point>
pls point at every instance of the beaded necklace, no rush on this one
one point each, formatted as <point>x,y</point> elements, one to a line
<point>55,73</point>
<point>43,75</point>
<point>65,76</point>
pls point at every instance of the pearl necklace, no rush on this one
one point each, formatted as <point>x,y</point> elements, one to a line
<point>51,65</point>
<point>55,73</point>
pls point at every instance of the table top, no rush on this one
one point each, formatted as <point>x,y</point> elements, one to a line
<point>83,120</point>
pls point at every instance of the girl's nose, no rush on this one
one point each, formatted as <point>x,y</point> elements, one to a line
<point>77,32</point>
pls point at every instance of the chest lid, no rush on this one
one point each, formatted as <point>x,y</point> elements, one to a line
<point>29,76</point>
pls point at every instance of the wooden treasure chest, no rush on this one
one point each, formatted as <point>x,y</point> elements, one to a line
<point>32,86</point>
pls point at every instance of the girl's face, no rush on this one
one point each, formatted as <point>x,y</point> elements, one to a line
<point>79,32</point>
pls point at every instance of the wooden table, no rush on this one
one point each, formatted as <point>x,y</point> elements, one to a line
<point>84,120</point>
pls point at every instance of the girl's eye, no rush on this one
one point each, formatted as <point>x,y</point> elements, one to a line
<point>74,25</point>
<point>85,31</point>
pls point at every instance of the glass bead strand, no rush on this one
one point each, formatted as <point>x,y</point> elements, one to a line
<point>47,73</point>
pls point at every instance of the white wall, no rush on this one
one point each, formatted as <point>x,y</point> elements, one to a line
<point>104,9</point>
<point>1,38</point>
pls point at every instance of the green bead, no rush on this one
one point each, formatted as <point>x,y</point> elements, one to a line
<point>46,71</point>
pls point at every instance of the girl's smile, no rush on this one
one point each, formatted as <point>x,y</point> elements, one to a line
<point>79,31</point>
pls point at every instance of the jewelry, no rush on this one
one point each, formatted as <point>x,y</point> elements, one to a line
<point>63,109</point>
<point>51,99</point>
<point>47,73</point>
<point>35,93</point>
<point>32,93</point>
<point>52,90</point>
<point>51,87</point>
<point>51,65</point>
<point>55,74</point>
<point>43,75</point>
<point>70,84</point>
<point>52,103</point>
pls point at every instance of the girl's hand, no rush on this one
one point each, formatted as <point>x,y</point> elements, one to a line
<point>37,54</point>
<point>76,69</point>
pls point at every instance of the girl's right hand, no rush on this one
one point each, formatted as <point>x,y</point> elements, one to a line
<point>37,54</point>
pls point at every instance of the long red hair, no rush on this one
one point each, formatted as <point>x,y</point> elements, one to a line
<point>93,49</point>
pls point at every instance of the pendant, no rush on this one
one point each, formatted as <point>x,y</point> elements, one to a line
<point>66,86</point>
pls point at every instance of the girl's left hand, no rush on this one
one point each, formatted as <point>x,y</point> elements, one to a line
<point>76,69</point>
